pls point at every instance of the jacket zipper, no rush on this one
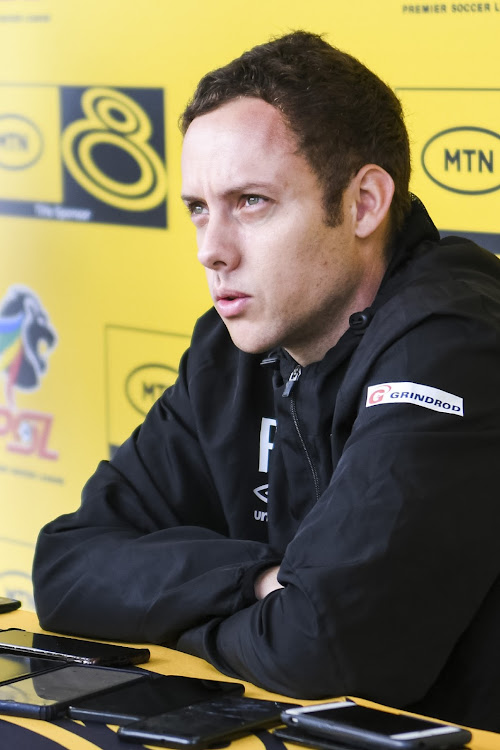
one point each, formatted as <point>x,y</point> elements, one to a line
<point>296,373</point>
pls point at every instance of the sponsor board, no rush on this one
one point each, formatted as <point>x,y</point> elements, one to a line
<point>30,154</point>
<point>30,466</point>
<point>456,157</point>
<point>140,365</point>
<point>463,160</point>
<point>27,451</point>
<point>87,154</point>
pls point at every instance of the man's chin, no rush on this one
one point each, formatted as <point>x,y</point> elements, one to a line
<point>249,344</point>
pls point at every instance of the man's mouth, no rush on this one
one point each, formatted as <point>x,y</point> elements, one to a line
<point>230,303</point>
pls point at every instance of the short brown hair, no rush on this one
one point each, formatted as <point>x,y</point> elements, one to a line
<point>341,113</point>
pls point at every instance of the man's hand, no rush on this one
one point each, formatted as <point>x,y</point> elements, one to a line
<point>266,582</point>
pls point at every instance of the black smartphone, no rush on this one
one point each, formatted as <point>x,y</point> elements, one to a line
<point>204,724</point>
<point>358,726</point>
<point>66,649</point>
<point>47,695</point>
<point>8,605</point>
<point>301,737</point>
<point>150,697</point>
<point>15,666</point>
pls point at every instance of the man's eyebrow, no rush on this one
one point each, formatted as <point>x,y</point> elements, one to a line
<point>248,187</point>
<point>189,198</point>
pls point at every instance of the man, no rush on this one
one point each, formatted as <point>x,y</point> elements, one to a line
<point>313,505</point>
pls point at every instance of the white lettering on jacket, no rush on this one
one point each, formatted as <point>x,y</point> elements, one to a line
<point>267,430</point>
<point>415,393</point>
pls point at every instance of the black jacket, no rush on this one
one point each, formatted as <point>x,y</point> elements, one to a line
<point>376,494</point>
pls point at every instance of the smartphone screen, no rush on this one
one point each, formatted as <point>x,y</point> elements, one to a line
<point>149,697</point>
<point>45,696</point>
<point>70,649</point>
<point>346,721</point>
<point>15,666</point>
<point>8,605</point>
<point>205,724</point>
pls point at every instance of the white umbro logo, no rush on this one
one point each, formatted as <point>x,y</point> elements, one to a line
<point>261,492</point>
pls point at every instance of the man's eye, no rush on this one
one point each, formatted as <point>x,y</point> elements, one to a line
<point>253,200</point>
<point>196,209</point>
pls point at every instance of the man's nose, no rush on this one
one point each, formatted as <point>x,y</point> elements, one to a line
<point>218,244</point>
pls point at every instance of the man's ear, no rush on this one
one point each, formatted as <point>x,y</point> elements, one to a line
<point>373,191</point>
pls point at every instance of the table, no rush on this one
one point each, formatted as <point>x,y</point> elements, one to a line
<point>30,734</point>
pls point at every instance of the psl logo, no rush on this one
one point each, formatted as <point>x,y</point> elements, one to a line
<point>26,337</point>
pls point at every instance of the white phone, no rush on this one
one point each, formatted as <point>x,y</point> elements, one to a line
<point>361,727</point>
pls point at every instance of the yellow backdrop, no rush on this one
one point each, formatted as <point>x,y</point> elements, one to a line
<point>99,284</point>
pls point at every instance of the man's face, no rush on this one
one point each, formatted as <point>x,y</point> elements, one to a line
<point>278,275</point>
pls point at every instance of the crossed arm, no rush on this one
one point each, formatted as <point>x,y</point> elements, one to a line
<point>381,549</point>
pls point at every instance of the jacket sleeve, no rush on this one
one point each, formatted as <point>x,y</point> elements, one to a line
<point>392,563</point>
<point>147,555</point>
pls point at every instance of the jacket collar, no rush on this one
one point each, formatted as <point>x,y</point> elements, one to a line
<point>417,228</point>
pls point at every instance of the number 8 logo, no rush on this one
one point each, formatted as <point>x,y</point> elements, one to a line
<point>112,118</point>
